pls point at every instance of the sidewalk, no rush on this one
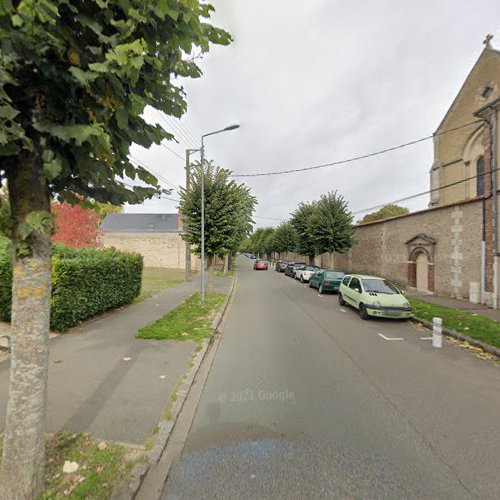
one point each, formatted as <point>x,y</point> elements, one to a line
<point>463,305</point>
<point>93,389</point>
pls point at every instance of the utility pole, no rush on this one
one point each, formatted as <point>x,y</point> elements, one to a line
<point>188,245</point>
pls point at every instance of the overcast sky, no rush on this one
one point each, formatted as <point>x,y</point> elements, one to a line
<point>311,82</point>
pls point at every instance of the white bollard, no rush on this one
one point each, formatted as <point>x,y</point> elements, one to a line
<point>437,332</point>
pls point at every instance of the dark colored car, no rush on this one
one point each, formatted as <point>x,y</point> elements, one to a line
<point>261,264</point>
<point>281,264</point>
<point>295,268</point>
<point>326,280</point>
<point>291,268</point>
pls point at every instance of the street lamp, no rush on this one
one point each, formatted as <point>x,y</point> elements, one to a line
<point>227,129</point>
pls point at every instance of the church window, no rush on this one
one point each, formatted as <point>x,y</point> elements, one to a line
<point>480,176</point>
<point>487,91</point>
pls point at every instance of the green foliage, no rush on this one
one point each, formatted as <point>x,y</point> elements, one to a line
<point>285,238</point>
<point>262,240</point>
<point>300,221</point>
<point>330,225</point>
<point>228,211</point>
<point>189,321</point>
<point>104,209</point>
<point>75,78</point>
<point>85,282</point>
<point>385,213</point>
<point>5,218</point>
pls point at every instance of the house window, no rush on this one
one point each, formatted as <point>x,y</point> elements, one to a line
<point>480,176</point>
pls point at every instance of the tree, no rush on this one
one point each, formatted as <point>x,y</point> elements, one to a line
<point>75,226</point>
<point>228,213</point>
<point>300,222</point>
<point>385,213</point>
<point>285,238</point>
<point>75,78</point>
<point>268,242</point>
<point>330,225</point>
<point>103,209</point>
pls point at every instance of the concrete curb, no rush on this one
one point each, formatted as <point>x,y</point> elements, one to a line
<point>165,427</point>
<point>460,336</point>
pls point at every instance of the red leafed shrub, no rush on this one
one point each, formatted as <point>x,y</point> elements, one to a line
<point>76,226</point>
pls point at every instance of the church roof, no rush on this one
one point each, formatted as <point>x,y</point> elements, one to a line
<point>488,49</point>
<point>140,223</point>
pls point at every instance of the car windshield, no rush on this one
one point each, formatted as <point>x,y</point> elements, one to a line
<point>311,268</point>
<point>260,261</point>
<point>335,275</point>
<point>380,286</point>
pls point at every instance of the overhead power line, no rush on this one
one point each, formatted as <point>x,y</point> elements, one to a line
<point>356,158</point>
<point>268,218</point>
<point>151,171</point>
<point>417,195</point>
<point>406,198</point>
<point>172,151</point>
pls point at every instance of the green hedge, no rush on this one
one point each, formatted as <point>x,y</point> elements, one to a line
<point>85,282</point>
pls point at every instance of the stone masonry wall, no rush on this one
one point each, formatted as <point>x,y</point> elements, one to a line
<point>164,250</point>
<point>454,233</point>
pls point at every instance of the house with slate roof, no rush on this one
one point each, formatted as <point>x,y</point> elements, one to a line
<point>157,237</point>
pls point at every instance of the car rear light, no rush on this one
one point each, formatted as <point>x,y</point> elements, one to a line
<point>327,282</point>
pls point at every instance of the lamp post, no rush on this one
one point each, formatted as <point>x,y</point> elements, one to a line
<point>227,129</point>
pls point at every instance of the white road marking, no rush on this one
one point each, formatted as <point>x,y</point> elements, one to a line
<point>389,338</point>
<point>319,295</point>
<point>343,310</point>
<point>425,338</point>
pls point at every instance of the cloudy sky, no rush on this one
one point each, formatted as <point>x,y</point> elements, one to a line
<point>312,82</point>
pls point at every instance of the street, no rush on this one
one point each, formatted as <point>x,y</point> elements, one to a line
<point>306,400</point>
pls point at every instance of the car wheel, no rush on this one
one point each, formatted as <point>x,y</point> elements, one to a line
<point>310,284</point>
<point>363,314</point>
<point>320,289</point>
<point>302,279</point>
<point>341,300</point>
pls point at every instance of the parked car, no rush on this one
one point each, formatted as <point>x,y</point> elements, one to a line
<point>261,264</point>
<point>280,264</point>
<point>304,274</point>
<point>252,256</point>
<point>295,268</point>
<point>291,268</point>
<point>374,296</point>
<point>288,265</point>
<point>326,280</point>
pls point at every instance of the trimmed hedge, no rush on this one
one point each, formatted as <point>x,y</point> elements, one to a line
<point>85,282</point>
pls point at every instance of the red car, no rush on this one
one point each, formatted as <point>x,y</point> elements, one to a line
<point>260,264</point>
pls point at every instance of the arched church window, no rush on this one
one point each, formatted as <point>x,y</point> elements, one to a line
<point>480,176</point>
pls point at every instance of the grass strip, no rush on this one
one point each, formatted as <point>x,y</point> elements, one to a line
<point>154,280</point>
<point>470,324</point>
<point>188,321</point>
<point>99,470</point>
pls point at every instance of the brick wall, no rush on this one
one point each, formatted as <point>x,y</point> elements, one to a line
<point>165,250</point>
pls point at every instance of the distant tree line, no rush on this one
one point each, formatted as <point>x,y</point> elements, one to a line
<point>324,225</point>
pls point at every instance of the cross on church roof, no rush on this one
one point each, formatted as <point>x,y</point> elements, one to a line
<point>487,40</point>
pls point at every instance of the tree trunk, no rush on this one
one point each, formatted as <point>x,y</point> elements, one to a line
<point>210,281</point>
<point>23,460</point>
<point>332,266</point>
<point>226,264</point>
<point>311,260</point>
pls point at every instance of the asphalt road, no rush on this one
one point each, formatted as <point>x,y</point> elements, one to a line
<point>306,400</point>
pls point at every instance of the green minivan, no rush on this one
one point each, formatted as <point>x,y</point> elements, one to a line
<point>326,280</point>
